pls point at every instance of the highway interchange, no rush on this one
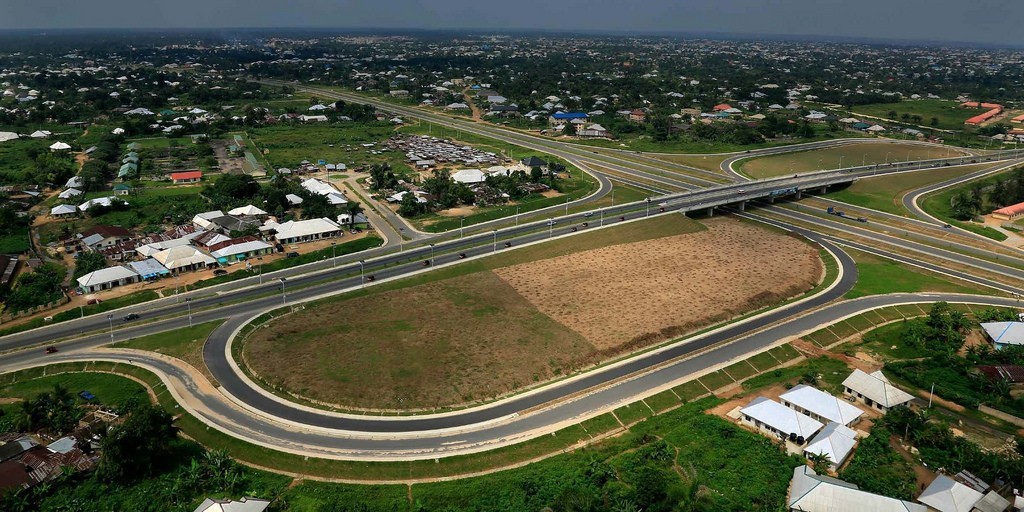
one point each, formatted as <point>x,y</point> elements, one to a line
<point>244,410</point>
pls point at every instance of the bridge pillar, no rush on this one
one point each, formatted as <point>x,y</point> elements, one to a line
<point>711,211</point>
<point>824,189</point>
<point>799,194</point>
<point>743,206</point>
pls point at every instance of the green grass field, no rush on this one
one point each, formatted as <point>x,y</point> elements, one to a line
<point>866,153</point>
<point>949,113</point>
<point>286,145</point>
<point>885,193</point>
<point>111,390</point>
<point>878,276</point>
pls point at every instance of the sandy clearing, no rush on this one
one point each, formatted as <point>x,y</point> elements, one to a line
<point>637,294</point>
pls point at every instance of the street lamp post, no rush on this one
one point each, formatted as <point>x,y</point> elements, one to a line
<point>886,157</point>
<point>462,223</point>
<point>401,239</point>
<point>284,299</point>
<point>494,247</point>
<point>551,227</point>
<point>602,216</point>
<point>566,206</point>
<point>188,303</point>
<point>648,207</point>
<point>334,262</point>
<point>517,215</point>
<point>362,276</point>
<point>110,320</point>
<point>431,254</point>
<point>260,265</point>
<point>841,161</point>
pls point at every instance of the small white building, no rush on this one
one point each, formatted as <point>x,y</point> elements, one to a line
<point>774,418</point>
<point>183,258</point>
<point>69,193</point>
<point>834,441</point>
<point>205,220</point>
<point>820,405</point>
<point>106,278</point>
<point>63,210</point>
<point>875,390</point>
<point>247,211</point>
<point>947,495</point>
<point>1003,334</point>
<point>469,176</point>
<point>810,492</point>
<point>298,231</point>
<point>244,505</point>
<point>101,201</point>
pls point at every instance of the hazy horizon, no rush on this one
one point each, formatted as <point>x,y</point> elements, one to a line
<point>988,22</point>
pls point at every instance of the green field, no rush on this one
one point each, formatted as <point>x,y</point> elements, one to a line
<point>879,276</point>
<point>885,193</point>
<point>949,113</point>
<point>111,390</point>
<point>850,155</point>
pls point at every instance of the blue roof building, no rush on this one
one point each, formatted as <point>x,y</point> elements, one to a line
<point>568,116</point>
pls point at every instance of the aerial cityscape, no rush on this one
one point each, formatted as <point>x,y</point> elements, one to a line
<point>337,256</point>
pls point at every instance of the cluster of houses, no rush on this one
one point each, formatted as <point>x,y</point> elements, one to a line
<point>424,152</point>
<point>813,422</point>
<point>27,461</point>
<point>206,242</point>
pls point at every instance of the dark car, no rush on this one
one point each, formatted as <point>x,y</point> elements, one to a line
<point>51,350</point>
<point>220,272</point>
<point>131,316</point>
<point>292,254</point>
<point>370,278</point>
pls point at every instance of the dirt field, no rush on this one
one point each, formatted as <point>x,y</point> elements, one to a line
<point>628,296</point>
<point>488,333</point>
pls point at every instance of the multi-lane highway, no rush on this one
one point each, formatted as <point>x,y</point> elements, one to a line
<point>244,410</point>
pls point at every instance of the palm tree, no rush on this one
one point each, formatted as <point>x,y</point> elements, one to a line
<point>820,461</point>
<point>353,208</point>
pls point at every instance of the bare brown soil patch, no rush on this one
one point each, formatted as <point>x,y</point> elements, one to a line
<point>633,295</point>
<point>458,340</point>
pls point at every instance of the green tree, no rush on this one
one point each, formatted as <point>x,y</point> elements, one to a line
<point>89,262</point>
<point>136,448</point>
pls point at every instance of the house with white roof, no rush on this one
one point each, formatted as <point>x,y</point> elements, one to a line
<point>875,390</point>
<point>820,405</point>
<point>298,231</point>
<point>293,199</point>
<point>468,176</point>
<point>205,220</point>
<point>774,418</point>
<point>315,186</point>
<point>947,495</point>
<point>244,505</point>
<point>149,268</point>
<point>63,210</point>
<point>106,278</point>
<point>811,492</point>
<point>60,146</point>
<point>101,201</point>
<point>183,258</point>
<point>69,193</point>
<point>834,441</point>
<point>239,249</point>
<point>1004,334</point>
<point>75,182</point>
<point>247,211</point>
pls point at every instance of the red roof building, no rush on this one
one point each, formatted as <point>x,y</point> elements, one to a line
<point>721,107</point>
<point>1012,212</point>
<point>186,176</point>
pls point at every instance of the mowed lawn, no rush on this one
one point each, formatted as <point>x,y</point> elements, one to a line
<point>885,193</point>
<point>879,276</point>
<point>111,390</point>
<point>868,153</point>
<point>447,337</point>
<point>949,113</point>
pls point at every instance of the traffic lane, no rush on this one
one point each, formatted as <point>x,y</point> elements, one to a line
<point>900,242</point>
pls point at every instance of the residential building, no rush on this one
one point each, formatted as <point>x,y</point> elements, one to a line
<point>469,176</point>
<point>107,278</point>
<point>203,220</point>
<point>69,193</point>
<point>183,258</point>
<point>1004,334</point>
<point>875,390</point>
<point>186,177</point>
<point>244,505</point>
<point>564,117</point>
<point>811,492</point>
<point>772,417</point>
<point>99,201</point>
<point>298,231</point>
<point>1009,213</point>
<point>834,441</point>
<point>820,405</point>
<point>101,237</point>
<point>63,210</point>
<point>247,211</point>
<point>947,495</point>
<point>240,249</point>
<point>149,268</point>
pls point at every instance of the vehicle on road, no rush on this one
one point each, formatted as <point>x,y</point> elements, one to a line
<point>588,214</point>
<point>426,263</point>
<point>508,244</point>
<point>51,350</point>
<point>574,229</point>
<point>551,223</point>
<point>370,278</point>
<point>741,191</point>
<point>131,316</point>
<point>585,224</point>
<point>462,255</point>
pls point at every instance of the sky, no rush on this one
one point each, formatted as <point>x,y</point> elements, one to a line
<point>979,21</point>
